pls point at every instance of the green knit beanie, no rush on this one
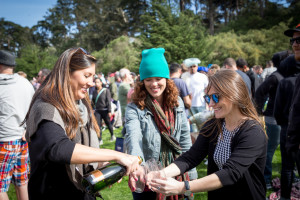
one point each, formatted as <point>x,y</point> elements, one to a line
<point>154,64</point>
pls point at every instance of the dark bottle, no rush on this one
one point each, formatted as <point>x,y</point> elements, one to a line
<point>98,179</point>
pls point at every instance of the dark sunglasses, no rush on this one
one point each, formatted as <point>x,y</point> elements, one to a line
<point>214,97</point>
<point>297,39</point>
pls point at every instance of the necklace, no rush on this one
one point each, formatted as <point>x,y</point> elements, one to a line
<point>236,125</point>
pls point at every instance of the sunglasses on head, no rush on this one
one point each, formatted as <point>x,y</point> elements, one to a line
<point>214,97</point>
<point>297,39</point>
<point>85,52</point>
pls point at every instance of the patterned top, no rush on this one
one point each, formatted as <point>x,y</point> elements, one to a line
<point>223,148</point>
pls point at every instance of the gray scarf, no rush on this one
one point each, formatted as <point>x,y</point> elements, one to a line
<point>42,110</point>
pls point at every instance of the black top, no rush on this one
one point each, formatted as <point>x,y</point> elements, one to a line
<point>242,174</point>
<point>104,100</point>
<point>255,82</point>
<point>50,150</point>
<point>267,90</point>
<point>283,100</point>
<point>293,135</point>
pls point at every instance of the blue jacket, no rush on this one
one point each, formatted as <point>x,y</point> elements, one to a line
<point>143,138</point>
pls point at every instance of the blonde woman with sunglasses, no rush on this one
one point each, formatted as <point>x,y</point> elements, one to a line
<point>234,141</point>
<point>62,131</point>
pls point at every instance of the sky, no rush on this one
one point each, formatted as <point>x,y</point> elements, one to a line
<point>25,12</point>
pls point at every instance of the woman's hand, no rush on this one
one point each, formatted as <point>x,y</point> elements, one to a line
<point>130,162</point>
<point>102,164</point>
<point>170,186</point>
<point>135,176</point>
<point>155,175</point>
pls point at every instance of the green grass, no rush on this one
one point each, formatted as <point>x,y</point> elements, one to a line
<point>122,191</point>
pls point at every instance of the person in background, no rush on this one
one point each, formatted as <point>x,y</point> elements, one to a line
<point>155,122</point>
<point>282,105</point>
<point>34,83</point>
<point>266,93</point>
<point>293,136</point>
<point>133,76</point>
<point>268,70</point>
<point>102,78</point>
<point>118,79</point>
<point>202,70</point>
<point>43,73</point>
<point>15,95</point>
<point>113,88</point>
<point>257,69</point>
<point>175,73</point>
<point>243,66</point>
<point>234,141</point>
<point>23,74</point>
<point>123,89</point>
<point>62,131</point>
<point>214,68</point>
<point>197,84</point>
<point>102,103</point>
<point>229,63</point>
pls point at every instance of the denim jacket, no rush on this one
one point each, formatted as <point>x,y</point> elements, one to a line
<point>143,138</point>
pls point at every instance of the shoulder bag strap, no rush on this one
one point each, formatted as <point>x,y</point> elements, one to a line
<point>102,90</point>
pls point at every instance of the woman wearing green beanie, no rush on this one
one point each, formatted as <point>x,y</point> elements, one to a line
<point>155,121</point>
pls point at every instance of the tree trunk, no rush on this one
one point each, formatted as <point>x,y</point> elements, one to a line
<point>225,16</point>
<point>181,2</point>
<point>211,11</point>
<point>261,8</point>
<point>237,7</point>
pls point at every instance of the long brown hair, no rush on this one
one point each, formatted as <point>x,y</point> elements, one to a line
<point>56,90</point>
<point>170,95</point>
<point>230,85</point>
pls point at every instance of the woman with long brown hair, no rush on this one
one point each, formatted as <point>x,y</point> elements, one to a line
<point>62,131</point>
<point>234,141</point>
<point>155,121</point>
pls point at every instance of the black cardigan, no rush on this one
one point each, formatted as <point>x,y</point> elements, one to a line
<point>242,174</point>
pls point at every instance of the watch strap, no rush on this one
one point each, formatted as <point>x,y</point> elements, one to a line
<point>187,185</point>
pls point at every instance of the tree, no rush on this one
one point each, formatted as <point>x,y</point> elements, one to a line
<point>32,58</point>
<point>13,36</point>
<point>256,46</point>
<point>119,53</point>
<point>182,35</point>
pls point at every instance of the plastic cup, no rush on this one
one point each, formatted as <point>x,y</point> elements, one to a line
<point>140,183</point>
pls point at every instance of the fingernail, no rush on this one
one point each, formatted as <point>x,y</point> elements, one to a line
<point>135,179</point>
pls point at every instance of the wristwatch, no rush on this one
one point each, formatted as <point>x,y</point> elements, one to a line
<point>188,191</point>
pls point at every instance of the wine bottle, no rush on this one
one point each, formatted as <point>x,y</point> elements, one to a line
<point>98,179</point>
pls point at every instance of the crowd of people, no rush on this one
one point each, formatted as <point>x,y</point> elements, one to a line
<point>57,119</point>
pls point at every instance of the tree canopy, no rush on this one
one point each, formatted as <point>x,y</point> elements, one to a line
<point>210,30</point>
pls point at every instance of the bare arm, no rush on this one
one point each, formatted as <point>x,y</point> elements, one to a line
<point>187,101</point>
<point>85,154</point>
<point>172,186</point>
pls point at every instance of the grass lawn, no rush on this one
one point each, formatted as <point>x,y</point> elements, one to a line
<point>122,191</point>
